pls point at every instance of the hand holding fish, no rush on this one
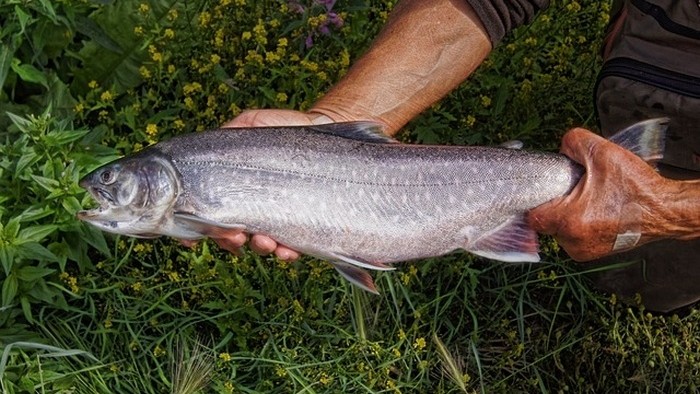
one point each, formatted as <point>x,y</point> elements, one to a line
<point>619,203</point>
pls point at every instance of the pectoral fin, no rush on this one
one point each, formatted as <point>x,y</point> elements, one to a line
<point>512,242</point>
<point>205,227</point>
<point>356,275</point>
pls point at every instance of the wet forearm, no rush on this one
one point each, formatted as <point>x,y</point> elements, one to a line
<point>426,49</point>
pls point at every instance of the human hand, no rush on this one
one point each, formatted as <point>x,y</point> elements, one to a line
<point>619,194</point>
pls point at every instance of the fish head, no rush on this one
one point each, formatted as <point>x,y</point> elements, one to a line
<point>135,195</point>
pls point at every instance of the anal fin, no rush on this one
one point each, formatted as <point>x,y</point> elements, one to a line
<point>512,242</point>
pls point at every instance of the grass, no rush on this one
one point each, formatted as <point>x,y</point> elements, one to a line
<point>87,314</point>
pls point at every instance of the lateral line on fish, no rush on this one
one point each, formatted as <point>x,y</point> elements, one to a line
<point>352,181</point>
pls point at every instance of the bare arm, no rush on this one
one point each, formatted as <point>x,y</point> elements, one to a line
<point>426,49</point>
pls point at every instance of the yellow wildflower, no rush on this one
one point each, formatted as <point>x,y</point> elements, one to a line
<point>486,101</point>
<point>204,19</point>
<point>138,30</point>
<point>419,343</point>
<point>215,59</point>
<point>144,8</point>
<point>344,58</point>
<point>169,33</point>
<point>189,103</point>
<point>151,130</point>
<point>137,287</point>
<point>272,57</point>
<point>246,35</point>
<point>157,57</point>
<point>219,38</point>
<point>179,124</point>
<point>222,88</point>
<point>78,108</point>
<point>93,84</point>
<point>324,379</point>
<point>144,72</point>
<point>171,69</point>
<point>225,357</point>
<point>281,97</point>
<point>172,14</point>
<point>193,87</point>
<point>106,96</point>
<point>279,371</point>
<point>158,351</point>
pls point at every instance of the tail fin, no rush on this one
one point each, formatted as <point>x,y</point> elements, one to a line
<point>646,139</point>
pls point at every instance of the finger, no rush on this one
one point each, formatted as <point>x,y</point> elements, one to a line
<point>232,242</point>
<point>262,245</point>
<point>546,218</point>
<point>269,117</point>
<point>284,253</point>
<point>190,243</point>
<point>579,144</point>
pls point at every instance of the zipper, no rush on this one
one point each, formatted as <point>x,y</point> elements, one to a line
<point>664,21</point>
<point>651,75</point>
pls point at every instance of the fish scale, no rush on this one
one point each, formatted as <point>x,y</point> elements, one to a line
<point>343,192</point>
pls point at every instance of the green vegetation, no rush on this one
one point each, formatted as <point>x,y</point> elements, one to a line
<point>83,312</point>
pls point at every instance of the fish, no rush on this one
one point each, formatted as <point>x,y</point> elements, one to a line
<point>342,192</point>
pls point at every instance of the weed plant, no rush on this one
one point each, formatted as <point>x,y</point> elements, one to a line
<point>84,312</point>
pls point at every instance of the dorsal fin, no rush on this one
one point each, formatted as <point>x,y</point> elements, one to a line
<point>362,131</point>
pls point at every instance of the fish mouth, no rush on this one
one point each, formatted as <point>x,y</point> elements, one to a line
<point>103,197</point>
<point>90,214</point>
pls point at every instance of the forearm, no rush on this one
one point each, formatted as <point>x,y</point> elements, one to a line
<point>426,49</point>
<point>681,212</point>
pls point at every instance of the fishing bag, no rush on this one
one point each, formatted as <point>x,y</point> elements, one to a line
<point>651,68</point>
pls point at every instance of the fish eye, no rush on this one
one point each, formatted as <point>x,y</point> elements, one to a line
<point>107,177</point>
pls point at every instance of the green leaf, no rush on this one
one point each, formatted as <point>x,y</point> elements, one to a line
<point>6,55</point>
<point>26,309</point>
<point>9,289</point>
<point>36,233</point>
<point>29,73</point>
<point>95,238</point>
<point>30,274</point>
<point>47,183</point>
<point>23,17</point>
<point>27,159</point>
<point>34,213</point>
<point>71,205</point>
<point>35,251</point>
<point>23,124</point>
<point>91,29</point>
<point>11,229</point>
<point>66,136</point>
<point>7,255</point>
<point>46,9</point>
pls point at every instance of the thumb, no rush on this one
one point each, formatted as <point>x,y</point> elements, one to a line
<point>547,218</point>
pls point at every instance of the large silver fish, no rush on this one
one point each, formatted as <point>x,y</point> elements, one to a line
<point>342,192</point>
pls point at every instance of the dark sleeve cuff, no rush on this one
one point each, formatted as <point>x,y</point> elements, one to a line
<point>499,17</point>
